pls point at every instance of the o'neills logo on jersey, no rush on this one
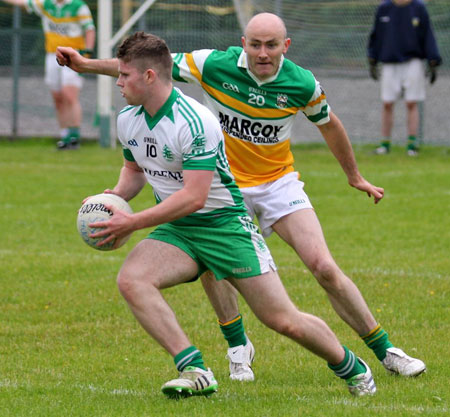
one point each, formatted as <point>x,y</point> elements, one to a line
<point>249,130</point>
<point>282,100</point>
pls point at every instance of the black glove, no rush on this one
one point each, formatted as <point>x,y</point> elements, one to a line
<point>87,53</point>
<point>432,71</point>
<point>373,70</point>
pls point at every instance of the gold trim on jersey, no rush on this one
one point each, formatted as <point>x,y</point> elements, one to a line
<point>315,102</point>
<point>193,67</point>
<point>253,164</point>
<point>235,104</point>
<point>53,40</point>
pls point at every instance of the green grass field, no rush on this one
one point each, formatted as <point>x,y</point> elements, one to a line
<point>70,347</point>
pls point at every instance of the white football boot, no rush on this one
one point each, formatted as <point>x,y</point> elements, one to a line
<point>192,381</point>
<point>398,362</point>
<point>241,358</point>
<point>381,150</point>
<point>362,384</point>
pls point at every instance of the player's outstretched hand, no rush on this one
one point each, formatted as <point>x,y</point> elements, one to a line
<point>372,191</point>
<point>69,57</point>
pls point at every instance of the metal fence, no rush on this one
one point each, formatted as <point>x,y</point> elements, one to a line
<point>328,36</point>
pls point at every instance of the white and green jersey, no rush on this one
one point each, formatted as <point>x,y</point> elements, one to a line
<point>256,116</point>
<point>64,23</point>
<point>182,135</point>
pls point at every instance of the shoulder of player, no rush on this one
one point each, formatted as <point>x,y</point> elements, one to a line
<point>194,116</point>
<point>78,3</point>
<point>129,109</point>
<point>297,75</point>
<point>218,57</point>
<point>127,114</point>
<point>191,108</point>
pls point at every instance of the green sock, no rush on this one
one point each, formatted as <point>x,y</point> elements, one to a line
<point>386,142</point>
<point>74,133</point>
<point>189,357</point>
<point>412,142</point>
<point>349,367</point>
<point>378,341</point>
<point>234,332</point>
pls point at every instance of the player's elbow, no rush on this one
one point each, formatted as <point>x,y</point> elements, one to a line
<point>198,203</point>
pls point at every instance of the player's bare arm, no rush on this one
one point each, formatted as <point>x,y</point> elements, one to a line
<point>71,58</point>
<point>131,181</point>
<point>339,143</point>
<point>191,198</point>
<point>21,3</point>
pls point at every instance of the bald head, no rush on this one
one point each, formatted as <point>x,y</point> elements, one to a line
<point>265,42</point>
<point>266,23</point>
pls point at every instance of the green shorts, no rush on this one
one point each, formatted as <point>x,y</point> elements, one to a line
<point>229,248</point>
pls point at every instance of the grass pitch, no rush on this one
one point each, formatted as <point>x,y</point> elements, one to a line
<point>70,347</point>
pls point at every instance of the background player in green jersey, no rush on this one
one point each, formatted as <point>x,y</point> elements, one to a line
<point>65,23</point>
<point>192,214</point>
<point>277,199</point>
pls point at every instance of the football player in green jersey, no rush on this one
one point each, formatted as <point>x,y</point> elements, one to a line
<point>255,92</point>
<point>65,23</point>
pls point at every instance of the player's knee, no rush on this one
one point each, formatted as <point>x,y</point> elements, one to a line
<point>285,322</point>
<point>124,284</point>
<point>388,106</point>
<point>128,285</point>
<point>58,99</point>
<point>326,272</point>
<point>290,328</point>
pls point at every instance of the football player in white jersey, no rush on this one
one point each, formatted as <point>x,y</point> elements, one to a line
<point>278,200</point>
<point>176,144</point>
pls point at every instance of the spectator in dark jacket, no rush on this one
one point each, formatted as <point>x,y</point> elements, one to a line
<point>402,39</point>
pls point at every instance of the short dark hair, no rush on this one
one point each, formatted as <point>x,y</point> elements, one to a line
<point>149,51</point>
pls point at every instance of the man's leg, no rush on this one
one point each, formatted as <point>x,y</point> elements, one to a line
<point>387,121</point>
<point>223,298</point>
<point>269,301</point>
<point>302,231</point>
<point>68,111</point>
<point>149,268</point>
<point>412,111</point>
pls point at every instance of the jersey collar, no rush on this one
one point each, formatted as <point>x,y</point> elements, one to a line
<point>243,63</point>
<point>165,110</point>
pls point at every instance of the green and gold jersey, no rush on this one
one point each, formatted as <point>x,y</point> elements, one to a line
<point>182,135</point>
<point>256,116</point>
<point>64,23</point>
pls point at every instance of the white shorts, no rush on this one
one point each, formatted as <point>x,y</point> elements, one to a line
<point>271,201</point>
<point>407,78</point>
<point>57,77</point>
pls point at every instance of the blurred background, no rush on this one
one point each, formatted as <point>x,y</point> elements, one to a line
<point>329,37</point>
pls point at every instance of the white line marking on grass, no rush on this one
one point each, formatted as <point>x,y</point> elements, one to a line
<point>95,256</point>
<point>7,383</point>
<point>113,392</point>
<point>399,272</point>
<point>394,408</point>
